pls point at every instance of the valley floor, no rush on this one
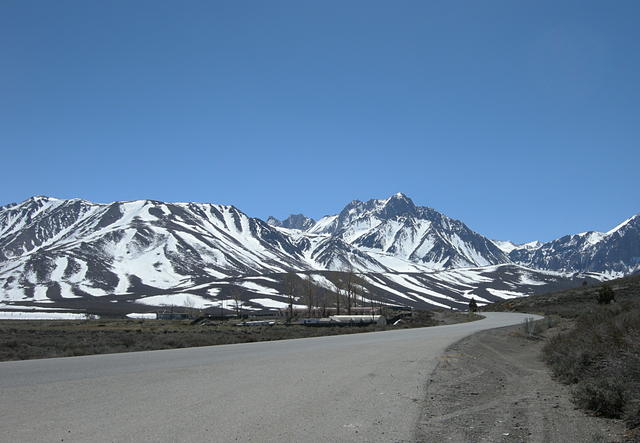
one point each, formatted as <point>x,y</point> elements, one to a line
<point>31,339</point>
<point>494,387</point>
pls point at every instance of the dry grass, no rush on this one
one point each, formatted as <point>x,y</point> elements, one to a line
<point>21,340</point>
<point>570,303</point>
<point>600,356</point>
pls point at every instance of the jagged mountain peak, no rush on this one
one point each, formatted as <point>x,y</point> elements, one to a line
<point>505,246</point>
<point>399,196</point>
<point>35,201</point>
<point>45,198</point>
<point>55,250</point>
<point>271,220</point>
<point>616,251</point>
<point>395,226</point>
<point>294,221</point>
<point>508,246</point>
<point>397,205</point>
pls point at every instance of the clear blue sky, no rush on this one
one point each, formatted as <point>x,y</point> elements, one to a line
<point>520,118</point>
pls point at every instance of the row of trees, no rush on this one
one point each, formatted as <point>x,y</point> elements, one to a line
<point>349,294</point>
<point>319,301</point>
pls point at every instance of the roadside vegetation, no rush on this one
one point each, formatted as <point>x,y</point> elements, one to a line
<point>597,351</point>
<point>600,356</point>
<point>28,339</point>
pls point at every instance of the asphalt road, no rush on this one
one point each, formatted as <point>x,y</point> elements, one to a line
<point>360,387</point>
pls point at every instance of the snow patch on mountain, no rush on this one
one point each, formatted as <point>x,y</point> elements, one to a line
<point>57,252</point>
<point>177,300</point>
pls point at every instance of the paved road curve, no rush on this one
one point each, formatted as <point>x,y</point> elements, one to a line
<point>360,387</point>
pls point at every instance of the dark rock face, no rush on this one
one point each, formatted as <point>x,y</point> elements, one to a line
<point>398,205</point>
<point>294,221</point>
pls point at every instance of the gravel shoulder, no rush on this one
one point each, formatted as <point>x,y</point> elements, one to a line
<point>493,387</point>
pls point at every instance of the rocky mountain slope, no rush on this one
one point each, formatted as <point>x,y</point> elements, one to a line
<point>127,256</point>
<point>294,221</point>
<point>397,228</point>
<point>616,252</point>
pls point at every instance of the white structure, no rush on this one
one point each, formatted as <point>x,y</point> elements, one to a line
<point>359,319</point>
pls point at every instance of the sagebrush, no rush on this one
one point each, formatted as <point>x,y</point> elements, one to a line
<point>601,358</point>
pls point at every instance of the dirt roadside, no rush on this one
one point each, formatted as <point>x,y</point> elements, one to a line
<point>494,387</point>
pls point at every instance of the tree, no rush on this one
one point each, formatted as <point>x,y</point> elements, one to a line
<point>350,288</point>
<point>322,294</point>
<point>235,295</point>
<point>606,295</point>
<point>190,307</point>
<point>310,294</point>
<point>354,296</point>
<point>334,277</point>
<point>473,306</point>
<point>372,299</point>
<point>290,288</point>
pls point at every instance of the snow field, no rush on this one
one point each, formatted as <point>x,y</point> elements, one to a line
<point>41,316</point>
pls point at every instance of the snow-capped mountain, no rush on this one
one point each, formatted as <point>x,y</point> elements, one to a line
<point>616,252</point>
<point>294,221</point>
<point>397,228</point>
<point>507,246</point>
<point>133,255</point>
<point>88,248</point>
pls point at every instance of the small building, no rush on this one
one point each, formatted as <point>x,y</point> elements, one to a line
<point>257,323</point>
<point>379,320</point>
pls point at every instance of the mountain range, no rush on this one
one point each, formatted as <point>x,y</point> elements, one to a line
<point>135,256</point>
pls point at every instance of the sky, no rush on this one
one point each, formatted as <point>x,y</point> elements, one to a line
<point>521,119</point>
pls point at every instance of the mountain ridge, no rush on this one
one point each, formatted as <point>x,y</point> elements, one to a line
<point>54,251</point>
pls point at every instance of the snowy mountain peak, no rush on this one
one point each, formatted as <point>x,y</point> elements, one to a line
<point>508,246</point>
<point>398,205</point>
<point>632,221</point>
<point>399,196</point>
<point>532,245</point>
<point>616,251</point>
<point>65,252</point>
<point>36,201</point>
<point>294,221</point>
<point>395,228</point>
<point>271,220</point>
<point>505,246</point>
<point>42,198</point>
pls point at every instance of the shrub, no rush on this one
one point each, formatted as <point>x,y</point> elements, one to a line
<point>605,295</point>
<point>632,413</point>
<point>605,397</point>
<point>601,356</point>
